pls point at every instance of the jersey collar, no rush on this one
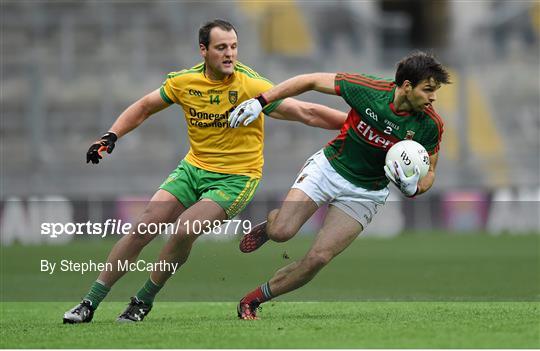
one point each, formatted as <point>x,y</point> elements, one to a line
<point>228,79</point>
<point>401,114</point>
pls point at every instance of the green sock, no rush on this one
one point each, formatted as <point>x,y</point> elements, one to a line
<point>97,293</point>
<point>148,292</point>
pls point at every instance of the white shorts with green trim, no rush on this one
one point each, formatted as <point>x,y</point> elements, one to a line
<point>320,181</point>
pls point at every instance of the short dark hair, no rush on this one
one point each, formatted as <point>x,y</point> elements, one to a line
<point>204,31</point>
<point>418,66</point>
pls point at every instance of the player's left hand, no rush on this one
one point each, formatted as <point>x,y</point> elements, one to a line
<point>407,185</point>
<point>245,113</point>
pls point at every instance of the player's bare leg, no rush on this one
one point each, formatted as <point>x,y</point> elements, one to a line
<point>162,208</point>
<point>178,247</point>
<point>175,252</point>
<point>338,232</point>
<point>283,223</point>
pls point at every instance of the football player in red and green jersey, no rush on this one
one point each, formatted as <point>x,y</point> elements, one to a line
<point>349,173</point>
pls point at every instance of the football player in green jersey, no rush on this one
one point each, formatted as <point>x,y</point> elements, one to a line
<point>349,172</point>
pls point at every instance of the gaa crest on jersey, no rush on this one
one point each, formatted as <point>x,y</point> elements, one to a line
<point>233,96</point>
<point>409,135</point>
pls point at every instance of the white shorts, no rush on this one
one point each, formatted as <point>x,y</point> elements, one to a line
<point>320,181</point>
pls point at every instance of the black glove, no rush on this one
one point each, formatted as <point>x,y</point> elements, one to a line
<point>105,143</point>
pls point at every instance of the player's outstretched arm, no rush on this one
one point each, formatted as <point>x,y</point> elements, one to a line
<point>138,112</point>
<point>128,120</point>
<point>250,110</point>
<point>314,115</point>
<point>321,82</point>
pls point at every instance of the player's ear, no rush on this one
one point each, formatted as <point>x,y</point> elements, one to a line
<point>407,86</point>
<point>202,50</point>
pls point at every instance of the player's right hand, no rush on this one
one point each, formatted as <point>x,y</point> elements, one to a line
<point>245,113</point>
<point>106,143</point>
<point>407,185</point>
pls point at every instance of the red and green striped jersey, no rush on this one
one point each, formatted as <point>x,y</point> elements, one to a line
<point>372,127</point>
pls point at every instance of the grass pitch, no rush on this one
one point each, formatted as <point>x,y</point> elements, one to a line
<point>283,325</point>
<point>414,291</point>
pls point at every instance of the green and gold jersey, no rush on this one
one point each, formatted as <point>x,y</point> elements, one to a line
<point>372,127</point>
<point>206,103</point>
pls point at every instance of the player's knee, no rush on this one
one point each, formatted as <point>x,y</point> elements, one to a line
<point>140,236</point>
<point>184,235</point>
<point>280,231</point>
<point>158,212</point>
<point>150,214</point>
<point>181,234</point>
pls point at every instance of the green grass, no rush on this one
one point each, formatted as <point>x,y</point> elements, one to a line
<point>433,267</point>
<point>433,290</point>
<point>283,325</point>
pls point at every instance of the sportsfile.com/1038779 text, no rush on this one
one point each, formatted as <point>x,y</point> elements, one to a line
<point>119,227</point>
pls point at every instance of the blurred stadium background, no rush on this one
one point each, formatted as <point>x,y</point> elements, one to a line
<point>68,68</point>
